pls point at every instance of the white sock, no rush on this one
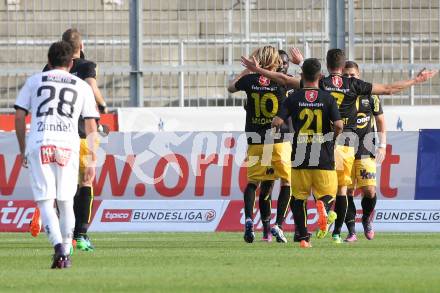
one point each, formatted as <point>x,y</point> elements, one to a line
<point>67,222</point>
<point>50,221</point>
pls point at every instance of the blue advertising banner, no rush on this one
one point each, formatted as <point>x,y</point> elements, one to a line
<point>428,165</point>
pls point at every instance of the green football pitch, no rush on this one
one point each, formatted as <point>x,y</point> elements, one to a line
<point>222,262</point>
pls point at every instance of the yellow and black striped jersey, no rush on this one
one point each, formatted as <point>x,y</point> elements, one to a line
<point>345,90</point>
<point>264,98</point>
<point>312,111</point>
<point>368,107</point>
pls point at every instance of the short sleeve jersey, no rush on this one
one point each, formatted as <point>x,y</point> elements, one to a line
<point>56,100</point>
<point>368,107</point>
<point>345,91</point>
<point>312,111</point>
<point>83,69</point>
<point>264,98</point>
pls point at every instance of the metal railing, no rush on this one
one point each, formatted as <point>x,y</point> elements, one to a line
<point>183,52</point>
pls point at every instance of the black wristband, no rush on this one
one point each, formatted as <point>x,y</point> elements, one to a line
<point>102,108</point>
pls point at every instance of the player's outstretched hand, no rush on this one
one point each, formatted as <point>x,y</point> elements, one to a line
<point>424,75</point>
<point>295,56</point>
<point>250,64</point>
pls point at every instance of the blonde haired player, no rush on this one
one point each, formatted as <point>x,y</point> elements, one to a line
<point>267,158</point>
<point>56,99</point>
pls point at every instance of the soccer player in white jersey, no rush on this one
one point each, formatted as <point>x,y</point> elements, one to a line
<point>56,99</point>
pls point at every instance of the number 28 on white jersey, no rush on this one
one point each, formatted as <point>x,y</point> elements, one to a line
<point>56,100</point>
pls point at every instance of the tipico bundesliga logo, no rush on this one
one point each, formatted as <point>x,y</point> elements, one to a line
<point>158,215</point>
<point>116,215</point>
<point>174,215</point>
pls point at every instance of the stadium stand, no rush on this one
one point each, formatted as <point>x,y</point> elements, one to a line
<point>201,31</point>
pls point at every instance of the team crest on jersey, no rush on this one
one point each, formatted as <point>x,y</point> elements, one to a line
<point>337,81</point>
<point>365,102</point>
<point>264,81</point>
<point>311,96</point>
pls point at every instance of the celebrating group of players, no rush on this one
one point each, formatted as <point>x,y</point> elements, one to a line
<point>317,135</point>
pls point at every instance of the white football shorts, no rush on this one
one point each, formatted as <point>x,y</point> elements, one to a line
<point>53,172</point>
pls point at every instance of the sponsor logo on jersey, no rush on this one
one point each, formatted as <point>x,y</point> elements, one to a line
<point>59,126</point>
<point>263,81</point>
<point>311,96</point>
<point>53,154</point>
<point>270,171</point>
<point>362,120</point>
<point>367,175</point>
<point>365,103</point>
<point>337,81</point>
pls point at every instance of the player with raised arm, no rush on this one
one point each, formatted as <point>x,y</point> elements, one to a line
<point>267,158</point>
<point>56,99</point>
<point>265,199</point>
<point>369,115</point>
<point>83,202</point>
<point>285,59</point>
<point>314,115</point>
<point>345,91</point>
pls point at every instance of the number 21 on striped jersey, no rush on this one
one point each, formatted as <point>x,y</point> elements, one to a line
<point>310,115</point>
